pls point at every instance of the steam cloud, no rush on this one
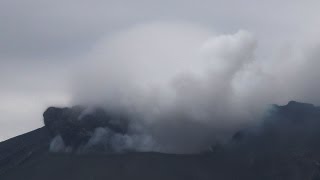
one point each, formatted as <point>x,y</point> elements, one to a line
<point>186,87</point>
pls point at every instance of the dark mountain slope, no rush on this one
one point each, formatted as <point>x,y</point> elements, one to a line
<point>126,166</point>
<point>157,166</point>
<point>15,151</point>
<point>284,146</point>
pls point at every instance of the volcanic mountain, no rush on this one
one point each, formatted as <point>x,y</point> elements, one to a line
<point>286,145</point>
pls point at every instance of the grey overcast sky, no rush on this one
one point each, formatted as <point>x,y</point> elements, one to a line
<point>41,42</point>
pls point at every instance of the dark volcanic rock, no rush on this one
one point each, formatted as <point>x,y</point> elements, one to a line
<point>76,126</point>
<point>17,150</point>
<point>293,128</point>
<point>285,145</point>
<point>133,166</point>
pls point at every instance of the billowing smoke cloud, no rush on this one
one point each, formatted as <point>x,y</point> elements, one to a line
<point>186,87</point>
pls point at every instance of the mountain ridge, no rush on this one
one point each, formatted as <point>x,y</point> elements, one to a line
<point>285,146</point>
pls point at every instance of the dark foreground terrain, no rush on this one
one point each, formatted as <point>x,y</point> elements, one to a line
<point>286,146</point>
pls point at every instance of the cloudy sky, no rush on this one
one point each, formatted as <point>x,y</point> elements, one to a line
<point>45,45</point>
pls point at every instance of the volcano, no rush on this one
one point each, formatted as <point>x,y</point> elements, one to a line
<point>286,145</point>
